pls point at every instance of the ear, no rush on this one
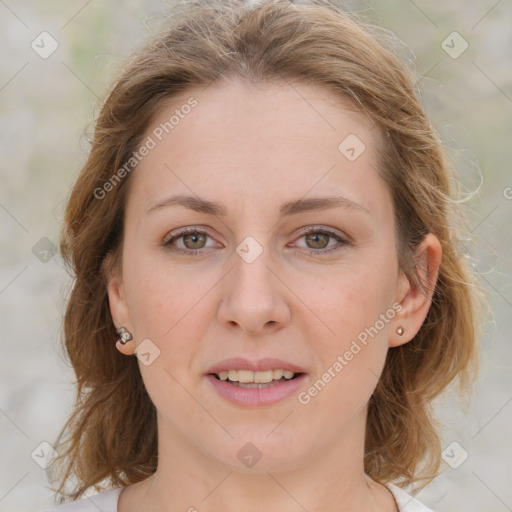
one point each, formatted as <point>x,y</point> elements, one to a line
<point>117,301</point>
<point>415,302</point>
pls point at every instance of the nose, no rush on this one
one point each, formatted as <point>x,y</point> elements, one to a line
<point>254,297</point>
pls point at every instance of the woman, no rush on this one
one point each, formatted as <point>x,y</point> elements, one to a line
<point>265,221</point>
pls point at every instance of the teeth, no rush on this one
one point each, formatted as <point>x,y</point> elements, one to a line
<point>248,376</point>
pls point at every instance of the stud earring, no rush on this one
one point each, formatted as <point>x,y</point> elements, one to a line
<point>124,335</point>
<point>400,330</point>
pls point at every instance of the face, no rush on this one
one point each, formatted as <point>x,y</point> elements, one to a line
<point>270,277</point>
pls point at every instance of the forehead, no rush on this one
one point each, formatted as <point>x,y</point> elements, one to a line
<point>272,141</point>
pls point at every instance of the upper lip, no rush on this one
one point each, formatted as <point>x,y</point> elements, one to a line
<point>255,365</point>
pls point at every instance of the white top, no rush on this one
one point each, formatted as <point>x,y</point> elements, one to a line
<point>107,502</point>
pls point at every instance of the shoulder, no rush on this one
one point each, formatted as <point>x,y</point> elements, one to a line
<point>405,502</point>
<point>104,501</point>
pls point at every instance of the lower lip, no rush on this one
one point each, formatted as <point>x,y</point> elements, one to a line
<point>257,396</point>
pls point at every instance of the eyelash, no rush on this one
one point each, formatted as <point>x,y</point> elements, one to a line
<point>193,252</point>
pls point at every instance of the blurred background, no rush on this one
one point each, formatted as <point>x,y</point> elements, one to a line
<point>57,58</point>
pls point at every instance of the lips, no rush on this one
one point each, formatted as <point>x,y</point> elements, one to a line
<point>260,365</point>
<point>255,382</point>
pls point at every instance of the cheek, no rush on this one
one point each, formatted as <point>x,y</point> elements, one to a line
<point>151,298</point>
<point>356,306</point>
<point>171,308</point>
<point>353,300</point>
<point>160,295</point>
<point>170,318</point>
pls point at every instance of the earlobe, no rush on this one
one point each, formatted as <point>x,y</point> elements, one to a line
<point>117,302</point>
<point>125,343</point>
<point>415,301</point>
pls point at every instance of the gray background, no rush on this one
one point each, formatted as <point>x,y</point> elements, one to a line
<point>45,105</point>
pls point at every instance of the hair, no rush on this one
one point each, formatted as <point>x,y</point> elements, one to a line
<point>111,435</point>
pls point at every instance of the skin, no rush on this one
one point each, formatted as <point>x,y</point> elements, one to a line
<point>253,148</point>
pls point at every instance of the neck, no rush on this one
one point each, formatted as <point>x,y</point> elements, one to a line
<point>190,480</point>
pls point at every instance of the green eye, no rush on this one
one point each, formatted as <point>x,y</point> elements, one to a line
<point>312,236</point>
<point>195,240</point>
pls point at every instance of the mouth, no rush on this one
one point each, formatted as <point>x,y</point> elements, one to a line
<point>255,380</point>
<point>251,383</point>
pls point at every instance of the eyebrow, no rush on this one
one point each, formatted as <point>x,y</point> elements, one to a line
<point>290,208</point>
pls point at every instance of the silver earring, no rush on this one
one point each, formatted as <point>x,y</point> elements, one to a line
<point>400,330</point>
<point>124,335</point>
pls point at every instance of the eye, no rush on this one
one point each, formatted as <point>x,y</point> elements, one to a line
<point>192,238</point>
<point>318,238</point>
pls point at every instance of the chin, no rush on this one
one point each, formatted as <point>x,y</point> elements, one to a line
<point>259,450</point>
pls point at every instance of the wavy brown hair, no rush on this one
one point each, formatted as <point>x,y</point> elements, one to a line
<point>110,438</point>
